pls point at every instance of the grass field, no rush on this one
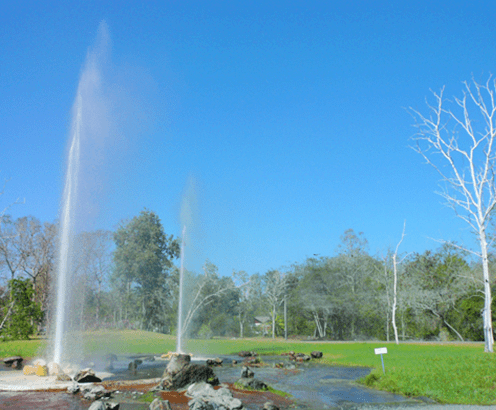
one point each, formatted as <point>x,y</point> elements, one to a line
<point>447,373</point>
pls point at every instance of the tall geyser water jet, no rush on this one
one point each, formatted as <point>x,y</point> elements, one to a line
<point>69,200</point>
<point>179,340</point>
<point>89,128</point>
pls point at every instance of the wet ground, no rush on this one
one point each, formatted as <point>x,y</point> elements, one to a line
<point>311,385</point>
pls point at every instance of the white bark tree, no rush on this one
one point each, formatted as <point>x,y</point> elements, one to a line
<point>460,144</point>
<point>275,290</point>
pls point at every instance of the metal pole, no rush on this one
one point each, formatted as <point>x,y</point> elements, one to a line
<point>382,360</point>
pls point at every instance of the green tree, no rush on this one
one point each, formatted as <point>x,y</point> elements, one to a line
<point>142,260</point>
<point>22,314</point>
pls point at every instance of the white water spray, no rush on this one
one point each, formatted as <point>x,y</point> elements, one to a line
<point>179,346</point>
<point>66,232</point>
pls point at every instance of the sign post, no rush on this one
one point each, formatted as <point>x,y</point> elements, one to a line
<point>381,351</point>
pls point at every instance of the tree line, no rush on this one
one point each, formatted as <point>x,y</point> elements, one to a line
<point>130,279</point>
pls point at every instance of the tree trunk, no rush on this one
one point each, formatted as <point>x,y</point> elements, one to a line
<point>393,313</point>
<point>486,314</point>
<point>273,321</point>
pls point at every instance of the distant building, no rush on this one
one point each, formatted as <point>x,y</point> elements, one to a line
<point>263,323</point>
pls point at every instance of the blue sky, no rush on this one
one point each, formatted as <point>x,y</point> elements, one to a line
<point>289,117</point>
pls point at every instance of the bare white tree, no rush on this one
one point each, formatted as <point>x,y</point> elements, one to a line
<point>395,284</point>
<point>459,143</point>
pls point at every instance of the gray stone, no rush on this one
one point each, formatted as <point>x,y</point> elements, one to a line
<point>252,384</point>
<point>187,375</point>
<point>74,388</point>
<point>95,392</point>
<point>246,372</point>
<point>86,376</point>
<point>316,354</point>
<point>206,398</point>
<point>14,361</point>
<point>112,405</point>
<point>199,404</point>
<point>201,389</point>
<point>158,404</point>
<point>270,406</point>
<point>62,377</point>
<point>98,405</point>
<point>177,363</point>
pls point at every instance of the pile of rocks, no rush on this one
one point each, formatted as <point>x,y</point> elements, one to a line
<point>302,357</point>
<point>204,397</point>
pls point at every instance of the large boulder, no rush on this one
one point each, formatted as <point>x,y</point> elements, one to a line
<point>316,354</point>
<point>86,376</point>
<point>189,374</point>
<point>177,363</point>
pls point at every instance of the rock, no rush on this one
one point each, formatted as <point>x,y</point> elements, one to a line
<point>14,361</point>
<point>270,406</point>
<point>234,362</point>
<point>245,353</point>
<point>188,374</point>
<point>201,389</point>
<point>214,362</point>
<point>206,398</point>
<point>95,392</point>
<point>86,376</point>
<point>74,388</point>
<point>158,404</point>
<point>62,377</point>
<point>54,369</point>
<point>98,405</point>
<point>177,363</point>
<point>39,362</point>
<point>279,365</point>
<point>199,404</point>
<point>247,373</point>
<point>40,371</point>
<point>252,361</point>
<point>134,364</point>
<point>28,370</point>
<point>112,405</point>
<point>251,384</point>
<point>316,354</point>
<point>110,358</point>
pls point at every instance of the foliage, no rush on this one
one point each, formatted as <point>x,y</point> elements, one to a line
<point>23,313</point>
<point>142,260</point>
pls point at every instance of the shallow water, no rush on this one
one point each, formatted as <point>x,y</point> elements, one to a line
<point>311,384</point>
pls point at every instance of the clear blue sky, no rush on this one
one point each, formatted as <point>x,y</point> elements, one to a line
<point>289,116</point>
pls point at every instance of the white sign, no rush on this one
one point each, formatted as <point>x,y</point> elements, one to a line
<point>381,350</point>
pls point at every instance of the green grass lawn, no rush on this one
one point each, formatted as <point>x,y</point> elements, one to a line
<point>448,373</point>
